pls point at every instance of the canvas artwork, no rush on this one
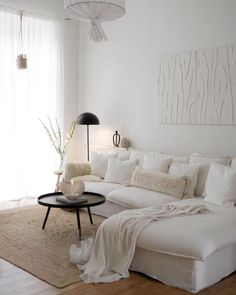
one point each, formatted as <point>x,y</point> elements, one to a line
<point>198,87</point>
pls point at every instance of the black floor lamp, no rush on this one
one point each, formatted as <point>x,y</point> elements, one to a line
<point>87,119</point>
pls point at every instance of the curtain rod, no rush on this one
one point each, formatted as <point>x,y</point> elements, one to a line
<point>30,13</point>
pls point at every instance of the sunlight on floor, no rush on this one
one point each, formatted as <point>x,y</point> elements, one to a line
<point>17,203</point>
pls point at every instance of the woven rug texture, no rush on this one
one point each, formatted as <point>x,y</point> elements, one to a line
<point>43,253</point>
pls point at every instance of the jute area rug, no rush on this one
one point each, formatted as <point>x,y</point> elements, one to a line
<point>43,253</point>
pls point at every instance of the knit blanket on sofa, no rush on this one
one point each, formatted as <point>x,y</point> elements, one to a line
<point>116,238</point>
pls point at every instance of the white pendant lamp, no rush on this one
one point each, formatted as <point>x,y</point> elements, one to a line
<point>95,12</point>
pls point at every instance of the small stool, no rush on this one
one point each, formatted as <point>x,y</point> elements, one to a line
<point>58,173</point>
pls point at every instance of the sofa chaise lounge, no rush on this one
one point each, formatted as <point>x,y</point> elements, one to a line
<point>191,253</point>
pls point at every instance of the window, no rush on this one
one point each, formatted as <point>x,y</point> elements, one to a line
<point>27,159</point>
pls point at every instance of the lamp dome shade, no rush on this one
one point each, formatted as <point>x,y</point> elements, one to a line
<point>96,12</point>
<point>101,10</point>
<point>87,119</point>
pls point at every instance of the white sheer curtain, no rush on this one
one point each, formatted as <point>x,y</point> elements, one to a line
<point>27,160</point>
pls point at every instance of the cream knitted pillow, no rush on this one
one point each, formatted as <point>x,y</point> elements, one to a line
<point>90,178</point>
<point>76,169</point>
<point>160,182</point>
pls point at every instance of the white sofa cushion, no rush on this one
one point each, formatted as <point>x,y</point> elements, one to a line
<point>119,171</point>
<point>135,197</point>
<point>204,165</point>
<point>155,163</point>
<point>160,182</point>
<point>196,236</point>
<point>188,170</point>
<point>103,188</point>
<point>221,185</point>
<point>99,164</point>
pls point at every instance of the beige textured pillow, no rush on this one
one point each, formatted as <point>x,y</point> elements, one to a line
<point>73,169</point>
<point>90,177</point>
<point>160,182</point>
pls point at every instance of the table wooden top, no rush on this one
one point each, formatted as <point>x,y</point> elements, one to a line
<point>49,200</point>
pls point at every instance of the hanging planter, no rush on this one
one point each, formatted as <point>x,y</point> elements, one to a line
<point>95,12</point>
<point>21,59</point>
<point>21,62</point>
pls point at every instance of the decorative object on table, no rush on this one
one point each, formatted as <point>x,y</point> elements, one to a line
<point>55,137</point>
<point>73,188</point>
<point>116,139</point>
<point>80,248</point>
<point>195,87</point>
<point>59,174</point>
<point>21,59</point>
<point>87,119</point>
<point>124,143</point>
<point>96,12</point>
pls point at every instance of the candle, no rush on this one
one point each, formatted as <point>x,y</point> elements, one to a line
<point>75,254</point>
<point>80,255</point>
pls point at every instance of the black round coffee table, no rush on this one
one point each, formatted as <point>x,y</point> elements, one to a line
<point>49,200</point>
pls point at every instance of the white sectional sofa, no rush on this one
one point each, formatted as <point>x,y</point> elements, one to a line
<point>191,253</point>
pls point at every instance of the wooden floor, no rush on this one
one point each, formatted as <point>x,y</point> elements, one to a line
<point>15,281</point>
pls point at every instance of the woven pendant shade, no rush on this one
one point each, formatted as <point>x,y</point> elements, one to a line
<point>95,12</point>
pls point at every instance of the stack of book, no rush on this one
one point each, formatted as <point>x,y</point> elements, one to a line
<point>63,199</point>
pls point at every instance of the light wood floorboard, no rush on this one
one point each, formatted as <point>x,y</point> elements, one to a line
<point>15,281</point>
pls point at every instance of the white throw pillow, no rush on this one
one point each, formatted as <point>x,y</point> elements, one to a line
<point>188,170</point>
<point>204,162</point>
<point>137,156</point>
<point>160,182</point>
<point>174,158</point>
<point>99,164</point>
<point>119,171</point>
<point>120,153</point>
<point>152,162</point>
<point>233,163</point>
<point>221,185</point>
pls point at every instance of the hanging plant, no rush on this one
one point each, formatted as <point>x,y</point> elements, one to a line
<point>21,59</point>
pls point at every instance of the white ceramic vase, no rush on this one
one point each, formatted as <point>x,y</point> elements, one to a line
<point>72,189</point>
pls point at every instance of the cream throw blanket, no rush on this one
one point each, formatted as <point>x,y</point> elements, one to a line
<point>115,241</point>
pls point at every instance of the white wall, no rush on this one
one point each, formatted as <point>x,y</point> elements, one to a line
<point>118,79</point>
<point>49,7</point>
<point>56,8</point>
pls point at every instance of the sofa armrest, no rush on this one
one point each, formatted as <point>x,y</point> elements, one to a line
<point>73,169</point>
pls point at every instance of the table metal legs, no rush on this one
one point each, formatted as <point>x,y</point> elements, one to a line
<point>90,215</point>
<point>77,214</point>
<point>46,217</point>
<point>78,220</point>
